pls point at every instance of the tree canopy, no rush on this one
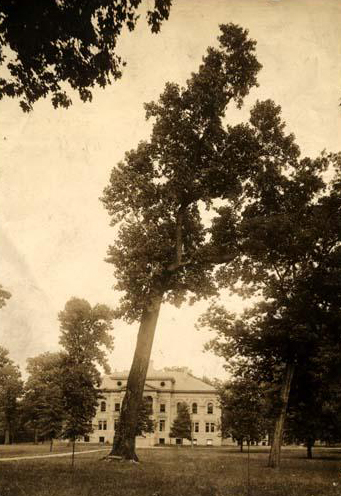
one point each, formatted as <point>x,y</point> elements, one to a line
<point>42,403</point>
<point>49,47</point>
<point>85,337</point>
<point>181,427</point>
<point>11,387</point>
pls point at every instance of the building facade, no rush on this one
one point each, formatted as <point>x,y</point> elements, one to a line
<point>165,391</point>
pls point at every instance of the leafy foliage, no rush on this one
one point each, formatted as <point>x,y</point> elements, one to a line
<point>181,427</point>
<point>46,45</point>
<point>243,405</point>
<point>4,295</point>
<point>84,333</point>
<point>42,405</point>
<point>154,194</point>
<point>10,390</point>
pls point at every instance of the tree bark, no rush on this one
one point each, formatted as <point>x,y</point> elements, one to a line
<point>35,435</point>
<point>51,444</point>
<point>241,443</point>
<point>124,441</point>
<point>310,444</point>
<point>275,452</point>
<point>7,436</point>
<point>73,453</point>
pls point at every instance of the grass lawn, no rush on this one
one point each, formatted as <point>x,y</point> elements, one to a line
<point>176,472</point>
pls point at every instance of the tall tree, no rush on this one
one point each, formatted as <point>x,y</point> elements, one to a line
<point>291,254</point>
<point>50,44</point>
<point>154,196</point>
<point>10,390</point>
<point>85,337</point>
<point>181,427</point>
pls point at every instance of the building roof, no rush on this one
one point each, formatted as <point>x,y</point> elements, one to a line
<point>180,381</point>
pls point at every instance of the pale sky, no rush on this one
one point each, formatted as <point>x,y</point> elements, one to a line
<point>55,164</point>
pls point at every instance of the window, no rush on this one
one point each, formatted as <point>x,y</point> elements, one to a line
<point>212,427</point>
<point>195,408</point>
<point>162,440</point>
<point>178,440</point>
<point>210,408</point>
<point>117,407</point>
<point>102,439</point>
<point>162,425</point>
<point>196,426</point>
<point>103,406</point>
<point>102,425</point>
<point>207,427</point>
<point>162,408</point>
<point>178,405</point>
<point>162,383</point>
<point>86,439</point>
<point>116,424</point>
<point>119,383</point>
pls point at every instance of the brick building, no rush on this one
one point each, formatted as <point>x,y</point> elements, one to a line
<point>165,390</point>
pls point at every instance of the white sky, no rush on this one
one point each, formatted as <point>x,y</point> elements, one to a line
<point>55,164</point>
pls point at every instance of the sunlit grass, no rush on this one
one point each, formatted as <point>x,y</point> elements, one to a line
<point>176,472</point>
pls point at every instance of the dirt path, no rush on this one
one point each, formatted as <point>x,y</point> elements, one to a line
<point>31,457</point>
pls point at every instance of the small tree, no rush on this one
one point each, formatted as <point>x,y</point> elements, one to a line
<point>11,387</point>
<point>42,405</point>
<point>242,404</point>
<point>181,427</point>
<point>145,423</point>
<point>85,336</point>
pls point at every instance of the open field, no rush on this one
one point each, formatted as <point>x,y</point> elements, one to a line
<point>175,472</point>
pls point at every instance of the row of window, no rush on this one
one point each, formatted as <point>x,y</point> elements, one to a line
<point>103,407</point>
<point>209,426</point>
<point>209,442</point>
<point>102,425</point>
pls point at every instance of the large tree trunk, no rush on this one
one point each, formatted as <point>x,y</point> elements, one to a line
<point>124,441</point>
<point>275,452</point>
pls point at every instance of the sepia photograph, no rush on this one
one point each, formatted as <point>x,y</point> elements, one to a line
<point>170,248</point>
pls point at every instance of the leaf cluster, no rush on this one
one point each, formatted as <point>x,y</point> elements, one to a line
<point>46,45</point>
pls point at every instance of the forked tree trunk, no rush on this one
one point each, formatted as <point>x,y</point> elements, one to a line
<point>275,452</point>
<point>124,441</point>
